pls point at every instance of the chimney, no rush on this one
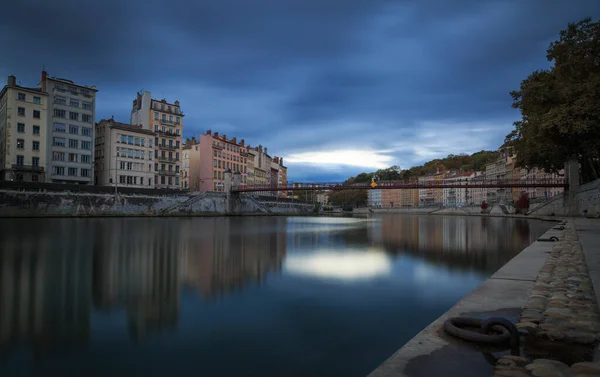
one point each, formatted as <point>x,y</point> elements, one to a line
<point>208,132</point>
<point>225,137</point>
<point>216,134</point>
<point>281,161</point>
<point>259,148</point>
<point>12,80</point>
<point>242,142</point>
<point>266,150</point>
<point>44,77</point>
<point>234,140</point>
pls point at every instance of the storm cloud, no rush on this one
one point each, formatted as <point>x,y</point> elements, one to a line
<point>336,87</point>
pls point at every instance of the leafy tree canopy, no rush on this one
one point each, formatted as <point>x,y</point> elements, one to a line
<point>560,112</point>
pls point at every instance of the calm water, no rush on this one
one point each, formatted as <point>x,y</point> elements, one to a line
<point>264,296</point>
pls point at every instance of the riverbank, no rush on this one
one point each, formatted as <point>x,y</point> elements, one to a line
<point>432,352</point>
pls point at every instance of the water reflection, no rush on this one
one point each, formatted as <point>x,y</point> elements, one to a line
<point>69,283</point>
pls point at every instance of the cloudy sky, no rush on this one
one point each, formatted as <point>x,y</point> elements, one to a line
<point>336,87</point>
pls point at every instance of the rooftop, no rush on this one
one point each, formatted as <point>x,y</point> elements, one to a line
<point>126,127</point>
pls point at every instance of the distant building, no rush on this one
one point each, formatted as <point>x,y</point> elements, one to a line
<point>166,119</point>
<point>456,196</point>
<point>426,195</point>
<point>124,155</point>
<point>23,117</point>
<point>476,196</point>
<point>70,130</point>
<point>374,198</point>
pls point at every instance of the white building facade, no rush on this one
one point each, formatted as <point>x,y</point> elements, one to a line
<point>124,155</point>
<point>70,130</point>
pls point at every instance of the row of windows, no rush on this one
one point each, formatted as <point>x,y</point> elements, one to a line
<point>165,130</point>
<point>131,140</point>
<point>35,113</point>
<point>23,97</point>
<point>163,155</point>
<point>164,143</point>
<point>218,175</point>
<point>133,153</point>
<point>227,146</point>
<point>164,167</point>
<point>21,128</point>
<point>164,119</point>
<point>71,172</point>
<point>60,100</point>
<point>169,108</point>
<point>228,156</point>
<point>73,89</point>
<point>72,143</point>
<point>72,157</point>
<point>35,161</point>
<point>74,130</point>
<point>137,166</point>
<point>168,181</point>
<point>35,145</point>
<point>133,180</point>
<point>34,177</point>
<point>229,165</point>
<point>60,113</point>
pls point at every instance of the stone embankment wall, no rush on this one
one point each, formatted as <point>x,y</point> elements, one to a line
<point>32,203</point>
<point>586,202</point>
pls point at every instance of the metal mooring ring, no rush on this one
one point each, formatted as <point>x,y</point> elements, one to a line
<point>453,326</point>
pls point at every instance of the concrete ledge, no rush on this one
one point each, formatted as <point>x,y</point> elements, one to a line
<point>503,294</point>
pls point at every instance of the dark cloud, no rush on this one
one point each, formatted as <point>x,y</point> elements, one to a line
<point>410,80</point>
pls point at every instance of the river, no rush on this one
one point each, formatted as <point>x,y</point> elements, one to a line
<point>235,296</point>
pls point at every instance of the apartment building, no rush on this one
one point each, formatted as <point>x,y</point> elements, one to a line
<point>23,114</point>
<point>166,119</point>
<point>426,195</point>
<point>190,165</point>
<point>456,196</point>
<point>477,196</point>
<point>70,130</point>
<point>124,155</point>
<point>216,155</point>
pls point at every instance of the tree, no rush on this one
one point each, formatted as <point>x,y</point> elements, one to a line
<point>560,115</point>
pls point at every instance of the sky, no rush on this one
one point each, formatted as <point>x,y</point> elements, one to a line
<point>335,87</point>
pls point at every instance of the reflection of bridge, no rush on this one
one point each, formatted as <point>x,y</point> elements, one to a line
<point>406,185</point>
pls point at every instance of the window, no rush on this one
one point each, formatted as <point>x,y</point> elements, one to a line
<point>122,179</point>
<point>170,118</point>
<point>143,141</point>
<point>155,106</point>
<point>86,118</point>
<point>156,140</point>
<point>177,120</point>
<point>156,128</point>
<point>36,130</point>
<point>59,127</point>
<point>219,175</point>
<point>129,139</point>
<point>58,156</point>
<point>122,165</point>
<point>87,105</point>
<point>136,141</point>
<point>73,143</point>
<point>20,143</point>
<point>59,100</point>
<point>72,171</point>
<point>164,117</point>
<point>162,180</point>
<point>129,165</point>
<point>214,162</point>
<point>129,180</point>
<point>85,92</point>
<point>20,160</point>
<point>73,129</point>
<point>36,114</point>
<point>164,129</point>
<point>177,132</point>
<point>21,111</point>
<point>73,157</point>
<point>35,145</point>
<point>37,100</point>
<point>85,173</point>
<point>85,158</point>
<point>86,131</point>
<point>34,178</point>
<point>19,177</point>
<point>162,106</point>
<point>74,103</point>
<point>73,90</point>
<point>177,156</point>
<point>215,174</point>
<point>73,115</point>
<point>155,167</point>
<point>177,144</point>
<point>219,163</point>
<point>59,141</point>
<point>21,127</point>
<point>60,113</point>
<point>58,170</point>
<point>170,109</point>
<point>21,96</point>
<point>170,181</point>
<point>177,110</point>
<point>86,145</point>
<point>155,115</point>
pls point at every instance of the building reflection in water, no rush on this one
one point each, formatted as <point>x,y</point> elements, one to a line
<point>227,253</point>
<point>136,267</point>
<point>481,243</point>
<point>45,285</point>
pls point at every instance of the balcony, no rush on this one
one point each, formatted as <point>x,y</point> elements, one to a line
<point>169,147</point>
<point>169,122</point>
<point>18,167</point>
<point>168,134</point>
<point>168,159</point>
<point>168,172</point>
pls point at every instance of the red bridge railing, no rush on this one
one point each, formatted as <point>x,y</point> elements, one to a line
<point>407,185</point>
